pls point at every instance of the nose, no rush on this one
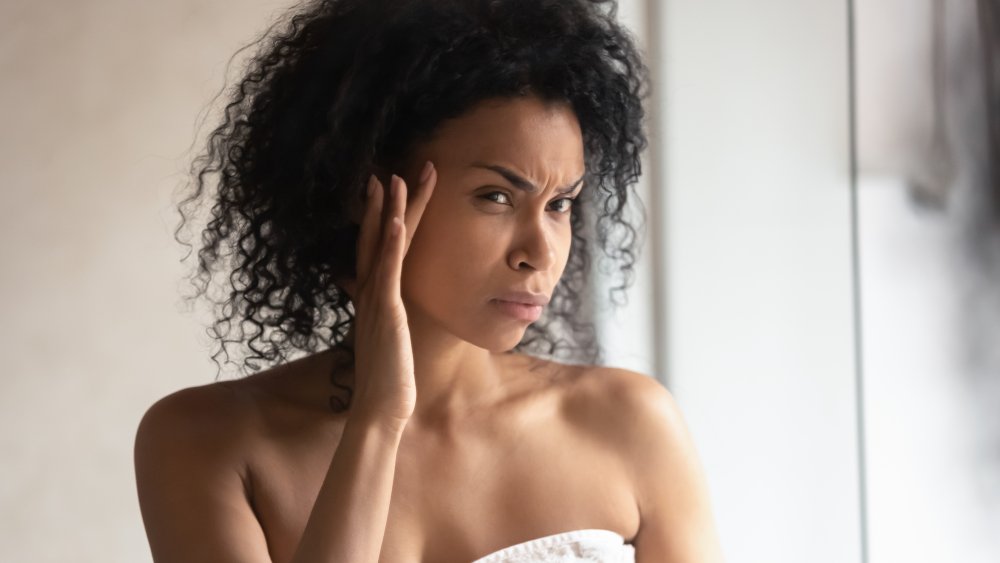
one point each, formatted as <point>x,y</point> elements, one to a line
<point>533,249</point>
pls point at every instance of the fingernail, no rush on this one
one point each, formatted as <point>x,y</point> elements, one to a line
<point>371,185</point>
<point>394,185</point>
<point>425,174</point>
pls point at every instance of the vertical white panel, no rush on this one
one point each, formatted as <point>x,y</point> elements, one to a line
<point>627,333</point>
<point>758,249</point>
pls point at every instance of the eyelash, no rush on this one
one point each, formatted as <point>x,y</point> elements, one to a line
<point>571,200</point>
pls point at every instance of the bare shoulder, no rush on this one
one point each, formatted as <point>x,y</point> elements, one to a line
<point>192,478</point>
<point>628,412</point>
<point>201,415</point>
<point>198,430</point>
<point>643,418</point>
<point>631,407</point>
<point>624,385</point>
<point>221,414</point>
<point>643,424</point>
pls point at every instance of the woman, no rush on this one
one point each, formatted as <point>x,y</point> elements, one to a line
<point>406,181</point>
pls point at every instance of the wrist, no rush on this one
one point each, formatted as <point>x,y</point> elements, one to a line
<point>368,420</point>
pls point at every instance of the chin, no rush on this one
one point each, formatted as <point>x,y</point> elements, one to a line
<point>495,337</point>
<point>499,341</point>
<point>483,331</point>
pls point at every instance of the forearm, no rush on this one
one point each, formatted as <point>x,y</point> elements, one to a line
<point>347,523</point>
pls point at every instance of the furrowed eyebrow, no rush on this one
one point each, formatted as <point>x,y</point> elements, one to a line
<point>519,182</point>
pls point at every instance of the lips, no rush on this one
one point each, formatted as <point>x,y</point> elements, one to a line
<point>522,305</point>
<point>524,298</point>
<point>519,311</point>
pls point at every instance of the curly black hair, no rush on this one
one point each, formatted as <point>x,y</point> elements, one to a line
<point>341,89</point>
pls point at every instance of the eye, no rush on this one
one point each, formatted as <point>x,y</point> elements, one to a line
<point>504,199</point>
<point>569,203</point>
<point>501,194</point>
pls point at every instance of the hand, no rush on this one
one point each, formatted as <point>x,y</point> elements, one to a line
<point>384,384</point>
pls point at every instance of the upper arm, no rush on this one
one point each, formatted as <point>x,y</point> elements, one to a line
<point>191,483</point>
<point>676,520</point>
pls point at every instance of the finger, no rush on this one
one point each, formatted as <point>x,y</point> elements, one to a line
<point>415,209</point>
<point>394,207</point>
<point>368,236</point>
<point>394,257</point>
<point>393,245</point>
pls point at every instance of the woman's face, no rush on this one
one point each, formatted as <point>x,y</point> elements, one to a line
<point>496,222</point>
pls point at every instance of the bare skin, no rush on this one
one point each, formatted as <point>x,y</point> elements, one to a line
<point>496,449</point>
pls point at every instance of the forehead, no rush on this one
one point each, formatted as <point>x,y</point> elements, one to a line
<point>541,138</point>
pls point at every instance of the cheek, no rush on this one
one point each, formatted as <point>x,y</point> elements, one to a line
<point>562,239</point>
<point>450,255</point>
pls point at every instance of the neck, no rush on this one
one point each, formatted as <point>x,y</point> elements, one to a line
<point>453,376</point>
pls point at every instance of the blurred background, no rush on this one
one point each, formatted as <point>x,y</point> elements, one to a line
<point>819,287</point>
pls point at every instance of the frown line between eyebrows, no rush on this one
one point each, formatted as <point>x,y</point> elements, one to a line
<point>520,182</point>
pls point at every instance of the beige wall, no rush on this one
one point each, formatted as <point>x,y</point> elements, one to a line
<point>98,103</point>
